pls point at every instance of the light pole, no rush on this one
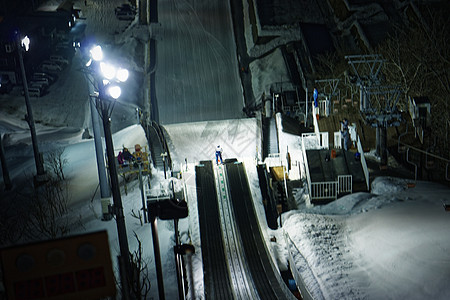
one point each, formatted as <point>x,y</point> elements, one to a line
<point>105,192</point>
<point>107,93</point>
<point>25,42</point>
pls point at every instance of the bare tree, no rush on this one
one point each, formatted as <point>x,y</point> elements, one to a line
<point>55,161</point>
<point>140,277</point>
<point>48,216</point>
<point>418,57</point>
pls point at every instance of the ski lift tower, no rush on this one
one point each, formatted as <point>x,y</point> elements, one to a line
<point>378,103</point>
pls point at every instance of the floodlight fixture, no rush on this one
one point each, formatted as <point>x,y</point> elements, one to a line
<point>96,53</point>
<point>26,43</point>
<point>108,70</point>
<point>122,74</point>
<point>114,91</point>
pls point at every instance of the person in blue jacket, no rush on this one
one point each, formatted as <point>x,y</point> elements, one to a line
<point>219,155</point>
<point>315,96</point>
<point>345,133</point>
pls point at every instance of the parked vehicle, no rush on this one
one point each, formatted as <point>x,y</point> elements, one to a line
<point>125,12</point>
<point>62,65</point>
<point>34,92</point>
<point>125,15</point>
<point>5,84</point>
<point>38,84</point>
<point>59,59</point>
<point>63,46</point>
<point>40,80</point>
<point>125,7</point>
<point>50,67</point>
<point>41,75</point>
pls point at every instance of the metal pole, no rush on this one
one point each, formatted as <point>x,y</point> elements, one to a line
<point>159,277</point>
<point>118,208</point>
<point>306,108</point>
<point>29,117</point>
<point>164,163</point>
<point>141,186</point>
<point>178,264</point>
<point>6,178</point>
<point>105,192</point>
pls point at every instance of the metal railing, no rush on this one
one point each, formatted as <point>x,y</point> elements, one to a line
<point>331,189</point>
<point>324,190</point>
<point>345,183</point>
<point>163,142</point>
<point>315,112</point>
<point>295,258</point>
<point>306,167</point>
<point>406,147</point>
<point>363,162</point>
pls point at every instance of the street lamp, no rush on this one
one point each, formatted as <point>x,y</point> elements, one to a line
<point>24,45</point>
<point>107,92</point>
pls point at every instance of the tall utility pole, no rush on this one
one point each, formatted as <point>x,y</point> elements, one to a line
<point>105,192</point>
<point>117,198</point>
<point>106,95</point>
<point>29,116</point>
<point>6,178</point>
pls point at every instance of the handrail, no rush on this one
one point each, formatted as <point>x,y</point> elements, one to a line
<point>163,142</point>
<point>305,163</point>
<point>427,162</point>
<point>426,152</point>
<point>411,162</point>
<point>408,147</point>
<point>363,162</point>
<point>316,124</point>
<point>301,285</point>
<point>401,135</point>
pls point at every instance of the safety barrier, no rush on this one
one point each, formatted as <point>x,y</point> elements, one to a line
<point>306,167</point>
<point>331,189</point>
<point>345,183</point>
<point>296,258</point>
<point>324,190</point>
<point>363,162</point>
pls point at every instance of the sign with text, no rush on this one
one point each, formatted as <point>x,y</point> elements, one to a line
<point>77,267</point>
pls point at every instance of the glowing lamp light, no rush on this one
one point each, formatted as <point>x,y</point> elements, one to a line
<point>108,70</point>
<point>114,91</point>
<point>26,43</point>
<point>97,53</point>
<point>122,75</point>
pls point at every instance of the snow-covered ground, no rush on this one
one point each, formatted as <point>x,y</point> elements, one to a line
<point>391,243</point>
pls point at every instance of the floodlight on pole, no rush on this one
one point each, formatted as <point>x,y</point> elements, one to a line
<point>108,70</point>
<point>104,80</point>
<point>97,53</point>
<point>114,91</point>
<point>24,44</point>
<point>122,74</point>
